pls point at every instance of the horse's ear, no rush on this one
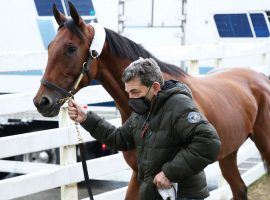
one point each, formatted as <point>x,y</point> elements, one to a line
<point>59,17</point>
<point>74,14</point>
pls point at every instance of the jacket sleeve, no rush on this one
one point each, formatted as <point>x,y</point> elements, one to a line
<point>199,142</point>
<point>116,138</point>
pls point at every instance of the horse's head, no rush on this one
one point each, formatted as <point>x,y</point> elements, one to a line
<point>71,62</point>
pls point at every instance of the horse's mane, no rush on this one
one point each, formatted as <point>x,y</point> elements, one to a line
<point>126,48</point>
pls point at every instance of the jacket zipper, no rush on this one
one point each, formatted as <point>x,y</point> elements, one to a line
<point>145,126</point>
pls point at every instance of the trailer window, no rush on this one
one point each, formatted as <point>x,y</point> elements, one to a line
<point>84,7</point>
<point>259,25</point>
<point>47,31</point>
<point>44,8</point>
<point>233,25</point>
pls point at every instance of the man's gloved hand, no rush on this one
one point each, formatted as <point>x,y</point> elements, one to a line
<point>76,112</point>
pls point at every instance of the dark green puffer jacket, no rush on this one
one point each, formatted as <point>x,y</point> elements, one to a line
<point>179,141</point>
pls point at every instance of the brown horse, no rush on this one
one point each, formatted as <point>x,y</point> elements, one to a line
<point>235,101</point>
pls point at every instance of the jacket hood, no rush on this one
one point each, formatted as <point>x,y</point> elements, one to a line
<point>170,88</point>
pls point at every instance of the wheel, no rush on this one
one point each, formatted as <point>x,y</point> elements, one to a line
<point>50,156</point>
<point>4,175</point>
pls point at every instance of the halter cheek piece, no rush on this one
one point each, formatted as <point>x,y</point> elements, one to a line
<point>70,94</point>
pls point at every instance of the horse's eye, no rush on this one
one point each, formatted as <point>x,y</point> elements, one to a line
<point>71,50</point>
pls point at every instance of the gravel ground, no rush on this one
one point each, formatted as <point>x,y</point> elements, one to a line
<point>260,190</point>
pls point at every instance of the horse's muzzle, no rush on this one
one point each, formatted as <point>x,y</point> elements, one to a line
<point>46,107</point>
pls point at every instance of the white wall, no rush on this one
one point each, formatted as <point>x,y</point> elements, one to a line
<point>107,13</point>
<point>19,30</point>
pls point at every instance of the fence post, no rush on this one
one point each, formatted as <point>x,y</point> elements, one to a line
<point>194,67</point>
<point>67,157</point>
<point>218,62</point>
<point>264,59</point>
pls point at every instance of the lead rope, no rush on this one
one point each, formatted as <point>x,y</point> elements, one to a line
<point>80,140</point>
<point>83,157</point>
<point>82,151</point>
<point>84,165</point>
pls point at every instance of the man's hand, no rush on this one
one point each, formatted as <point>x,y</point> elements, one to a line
<point>76,112</point>
<point>161,181</point>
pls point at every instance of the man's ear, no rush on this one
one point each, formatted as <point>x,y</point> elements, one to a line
<point>156,87</point>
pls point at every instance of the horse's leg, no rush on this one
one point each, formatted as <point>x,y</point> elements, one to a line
<point>230,172</point>
<point>261,134</point>
<point>133,186</point>
<point>263,144</point>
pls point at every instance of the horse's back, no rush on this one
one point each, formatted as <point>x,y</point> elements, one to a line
<point>230,100</point>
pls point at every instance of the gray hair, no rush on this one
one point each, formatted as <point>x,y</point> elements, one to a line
<point>146,69</point>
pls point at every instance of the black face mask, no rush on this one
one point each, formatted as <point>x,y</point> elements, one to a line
<point>140,105</point>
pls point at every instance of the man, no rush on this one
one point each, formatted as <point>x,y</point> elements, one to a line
<point>173,140</point>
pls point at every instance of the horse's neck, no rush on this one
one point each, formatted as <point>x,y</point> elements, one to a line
<point>110,78</point>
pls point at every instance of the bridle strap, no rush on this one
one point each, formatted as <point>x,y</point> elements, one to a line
<point>84,71</point>
<point>54,87</point>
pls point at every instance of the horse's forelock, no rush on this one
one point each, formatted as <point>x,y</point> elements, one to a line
<point>72,27</point>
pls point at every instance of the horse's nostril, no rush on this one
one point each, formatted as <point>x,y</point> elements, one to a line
<point>44,102</point>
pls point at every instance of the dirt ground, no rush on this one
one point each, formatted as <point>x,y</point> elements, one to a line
<point>260,190</point>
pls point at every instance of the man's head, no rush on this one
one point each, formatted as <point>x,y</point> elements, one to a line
<point>143,79</point>
<point>140,75</point>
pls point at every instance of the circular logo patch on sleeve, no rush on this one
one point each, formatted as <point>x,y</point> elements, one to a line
<point>194,117</point>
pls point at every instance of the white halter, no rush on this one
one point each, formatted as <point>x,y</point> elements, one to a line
<point>98,40</point>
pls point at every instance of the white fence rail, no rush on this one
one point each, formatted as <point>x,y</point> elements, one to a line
<point>65,175</point>
<point>65,137</point>
<point>21,102</point>
<point>21,61</point>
